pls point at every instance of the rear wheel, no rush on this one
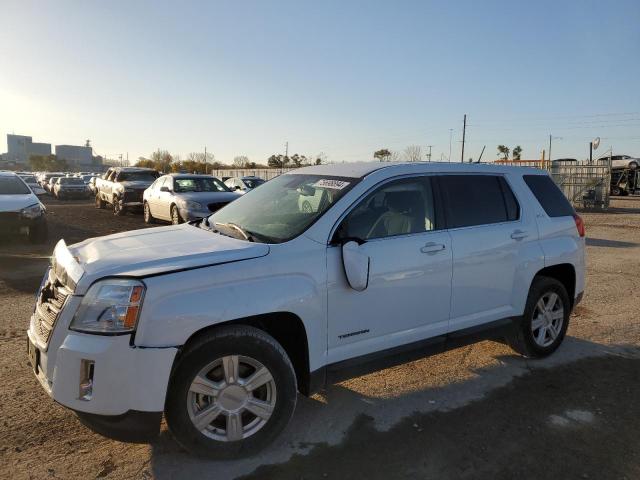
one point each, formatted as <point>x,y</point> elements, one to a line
<point>546,318</point>
<point>175,215</point>
<point>616,191</point>
<point>633,165</point>
<point>231,393</point>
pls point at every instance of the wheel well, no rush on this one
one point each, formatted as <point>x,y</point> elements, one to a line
<point>565,273</point>
<point>287,329</point>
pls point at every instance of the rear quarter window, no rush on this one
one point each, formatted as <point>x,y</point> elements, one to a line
<point>550,197</point>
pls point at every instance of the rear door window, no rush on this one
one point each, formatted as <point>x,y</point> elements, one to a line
<point>551,198</point>
<point>470,200</point>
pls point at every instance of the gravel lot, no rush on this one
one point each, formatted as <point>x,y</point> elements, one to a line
<point>475,412</point>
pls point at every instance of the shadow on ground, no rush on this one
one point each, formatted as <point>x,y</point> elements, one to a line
<point>571,414</point>
<point>601,242</point>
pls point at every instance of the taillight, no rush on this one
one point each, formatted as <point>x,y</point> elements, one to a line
<point>579,225</point>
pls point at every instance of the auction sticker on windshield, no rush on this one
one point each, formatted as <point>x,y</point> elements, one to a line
<point>328,183</point>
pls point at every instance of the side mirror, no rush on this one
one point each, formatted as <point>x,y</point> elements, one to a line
<point>238,187</point>
<point>164,189</point>
<point>356,265</point>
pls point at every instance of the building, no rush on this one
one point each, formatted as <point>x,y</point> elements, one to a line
<point>21,147</point>
<point>75,155</point>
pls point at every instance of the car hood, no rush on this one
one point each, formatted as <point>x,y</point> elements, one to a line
<point>14,203</point>
<point>208,197</point>
<point>152,251</point>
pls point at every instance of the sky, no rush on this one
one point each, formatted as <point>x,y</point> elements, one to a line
<point>344,78</point>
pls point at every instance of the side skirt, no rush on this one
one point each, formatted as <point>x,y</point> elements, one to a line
<point>372,362</point>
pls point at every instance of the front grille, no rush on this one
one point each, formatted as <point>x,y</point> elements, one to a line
<point>51,299</point>
<point>214,207</point>
<point>135,196</point>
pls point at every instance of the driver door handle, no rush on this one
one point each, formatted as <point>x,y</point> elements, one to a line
<point>519,235</point>
<point>432,247</point>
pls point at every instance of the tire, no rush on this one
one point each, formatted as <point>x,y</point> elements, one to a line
<point>524,340</point>
<point>118,209</point>
<point>99,203</point>
<point>615,191</point>
<point>279,392</point>
<point>39,233</point>
<point>176,219</point>
<point>148,218</point>
<point>633,165</point>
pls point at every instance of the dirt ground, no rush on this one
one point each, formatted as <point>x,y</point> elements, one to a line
<point>476,412</point>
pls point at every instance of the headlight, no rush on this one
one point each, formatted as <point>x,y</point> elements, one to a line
<point>32,211</point>
<point>110,306</point>
<point>192,205</point>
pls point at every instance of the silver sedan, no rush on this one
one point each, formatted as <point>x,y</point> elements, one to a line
<point>181,197</point>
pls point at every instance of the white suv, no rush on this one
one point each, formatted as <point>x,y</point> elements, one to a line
<point>218,324</point>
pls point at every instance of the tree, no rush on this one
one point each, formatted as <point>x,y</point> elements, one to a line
<point>277,161</point>
<point>320,159</point>
<point>161,160</point>
<point>50,163</point>
<point>413,153</point>
<point>382,155</point>
<point>145,163</point>
<point>517,153</point>
<point>241,161</point>
<point>299,160</point>
<point>504,151</point>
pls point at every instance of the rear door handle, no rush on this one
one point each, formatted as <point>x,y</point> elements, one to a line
<point>519,235</point>
<point>432,247</point>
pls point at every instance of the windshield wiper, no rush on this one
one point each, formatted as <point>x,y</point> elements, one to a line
<point>234,226</point>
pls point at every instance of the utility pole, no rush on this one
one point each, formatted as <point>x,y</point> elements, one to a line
<point>205,159</point>
<point>450,137</point>
<point>429,154</point>
<point>286,156</point>
<point>590,152</point>
<point>464,132</point>
<point>550,137</point>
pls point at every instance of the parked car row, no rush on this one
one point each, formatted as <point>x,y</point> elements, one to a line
<point>175,197</point>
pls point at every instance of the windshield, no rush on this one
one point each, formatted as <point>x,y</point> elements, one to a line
<point>198,184</point>
<point>13,186</point>
<point>253,182</point>
<point>282,208</point>
<point>71,181</point>
<point>137,176</point>
<point>29,179</point>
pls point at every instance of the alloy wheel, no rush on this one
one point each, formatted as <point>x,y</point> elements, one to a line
<point>548,317</point>
<point>231,398</point>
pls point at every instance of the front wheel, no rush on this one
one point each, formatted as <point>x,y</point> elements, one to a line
<point>39,233</point>
<point>546,318</point>
<point>148,218</point>
<point>118,207</point>
<point>176,219</point>
<point>231,393</point>
<point>99,202</point>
